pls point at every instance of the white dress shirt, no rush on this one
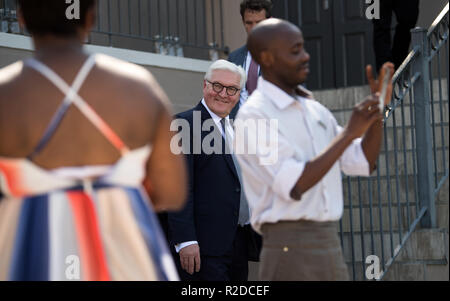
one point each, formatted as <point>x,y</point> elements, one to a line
<point>230,131</point>
<point>305,130</point>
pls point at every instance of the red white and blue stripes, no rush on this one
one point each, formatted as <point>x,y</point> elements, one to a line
<point>113,234</point>
<point>79,223</point>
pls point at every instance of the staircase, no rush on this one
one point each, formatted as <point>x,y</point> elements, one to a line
<point>368,217</point>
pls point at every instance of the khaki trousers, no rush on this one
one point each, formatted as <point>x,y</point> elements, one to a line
<point>302,251</point>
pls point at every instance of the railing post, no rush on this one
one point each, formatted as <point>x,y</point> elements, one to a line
<point>422,113</point>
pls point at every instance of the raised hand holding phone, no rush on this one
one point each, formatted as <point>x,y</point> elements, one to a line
<point>384,87</point>
<point>383,84</point>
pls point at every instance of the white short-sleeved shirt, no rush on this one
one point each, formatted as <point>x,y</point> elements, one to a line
<point>305,129</point>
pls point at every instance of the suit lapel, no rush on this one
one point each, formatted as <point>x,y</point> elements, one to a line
<point>243,56</point>
<point>241,59</point>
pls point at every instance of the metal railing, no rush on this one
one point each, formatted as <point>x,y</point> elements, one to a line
<point>186,28</point>
<point>413,164</point>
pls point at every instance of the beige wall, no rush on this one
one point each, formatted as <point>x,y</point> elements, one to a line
<point>184,88</point>
<point>233,29</point>
<point>234,32</point>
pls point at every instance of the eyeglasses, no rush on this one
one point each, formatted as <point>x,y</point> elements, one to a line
<point>218,88</point>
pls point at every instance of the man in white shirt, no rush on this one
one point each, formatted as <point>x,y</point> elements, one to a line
<point>210,235</point>
<point>297,198</point>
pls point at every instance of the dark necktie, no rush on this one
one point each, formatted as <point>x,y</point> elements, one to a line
<point>252,80</point>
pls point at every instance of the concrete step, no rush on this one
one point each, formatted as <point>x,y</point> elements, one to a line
<point>401,163</point>
<point>389,218</point>
<point>403,190</point>
<point>417,271</point>
<point>424,257</point>
<point>346,98</point>
<point>423,244</point>
<point>369,212</point>
<point>402,114</point>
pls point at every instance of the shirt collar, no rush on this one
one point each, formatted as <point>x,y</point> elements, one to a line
<point>216,118</point>
<point>280,98</point>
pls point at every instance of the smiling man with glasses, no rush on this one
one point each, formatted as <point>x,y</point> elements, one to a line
<point>210,237</point>
<point>222,83</point>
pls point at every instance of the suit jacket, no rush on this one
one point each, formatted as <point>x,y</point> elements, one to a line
<point>239,56</point>
<point>211,213</point>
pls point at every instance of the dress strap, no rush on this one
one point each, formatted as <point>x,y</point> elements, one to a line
<point>72,97</point>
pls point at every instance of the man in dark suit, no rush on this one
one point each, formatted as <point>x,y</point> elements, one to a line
<point>252,12</point>
<point>209,237</point>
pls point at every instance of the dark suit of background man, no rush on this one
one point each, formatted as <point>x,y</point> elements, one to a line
<point>211,244</point>
<point>252,12</point>
<point>406,12</point>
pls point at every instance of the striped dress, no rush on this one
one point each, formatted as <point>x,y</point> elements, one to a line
<point>79,223</point>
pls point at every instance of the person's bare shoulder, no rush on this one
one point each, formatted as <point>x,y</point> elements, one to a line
<point>133,91</point>
<point>133,80</point>
<point>9,74</point>
<point>9,77</point>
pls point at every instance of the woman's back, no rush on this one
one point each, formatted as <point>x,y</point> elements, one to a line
<point>125,96</point>
<point>83,199</point>
<point>79,134</point>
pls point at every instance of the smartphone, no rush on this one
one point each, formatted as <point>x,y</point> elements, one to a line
<point>384,87</point>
